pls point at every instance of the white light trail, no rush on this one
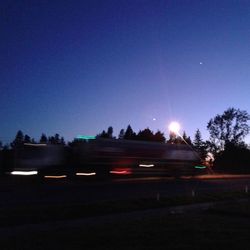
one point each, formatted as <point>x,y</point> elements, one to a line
<point>24,173</point>
<point>146,165</point>
<point>86,174</point>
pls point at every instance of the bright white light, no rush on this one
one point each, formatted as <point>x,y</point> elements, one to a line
<point>85,174</point>
<point>24,172</point>
<point>146,165</point>
<point>174,127</point>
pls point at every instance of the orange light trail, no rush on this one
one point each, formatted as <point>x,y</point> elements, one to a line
<point>55,176</point>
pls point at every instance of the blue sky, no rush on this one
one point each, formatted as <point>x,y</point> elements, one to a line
<point>77,67</point>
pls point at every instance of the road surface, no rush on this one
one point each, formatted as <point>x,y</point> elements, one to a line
<point>63,191</point>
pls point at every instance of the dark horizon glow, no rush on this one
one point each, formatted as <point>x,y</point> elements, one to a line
<point>78,67</point>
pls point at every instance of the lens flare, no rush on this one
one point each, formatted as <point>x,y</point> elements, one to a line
<point>174,127</point>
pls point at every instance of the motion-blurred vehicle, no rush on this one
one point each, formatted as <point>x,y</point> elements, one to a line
<point>134,158</point>
<point>106,158</point>
<point>38,159</point>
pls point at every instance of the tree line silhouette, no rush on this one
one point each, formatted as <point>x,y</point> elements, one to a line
<point>21,139</point>
<point>226,143</point>
<point>145,135</point>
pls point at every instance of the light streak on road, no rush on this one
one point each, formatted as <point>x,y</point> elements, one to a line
<point>24,173</point>
<point>200,167</point>
<point>122,171</point>
<point>55,176</point>
<point>86,174</point>
<point>146,165</point>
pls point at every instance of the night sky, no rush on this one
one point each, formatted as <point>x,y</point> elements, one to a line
<point>77,67</point>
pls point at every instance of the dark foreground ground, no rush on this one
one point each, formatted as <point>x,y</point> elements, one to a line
<point>216,226</point>
<point>211,219</point>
